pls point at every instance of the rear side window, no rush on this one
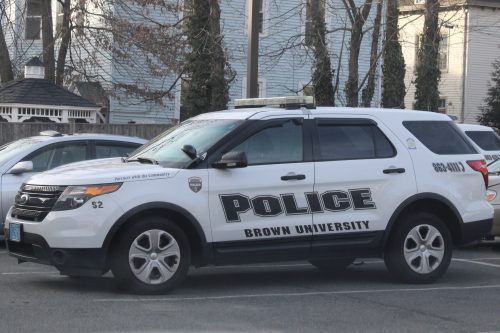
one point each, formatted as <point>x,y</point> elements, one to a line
<point>348,142</point>
<point>113,149</point>
<point>440,137</point>
<point>486,140</point>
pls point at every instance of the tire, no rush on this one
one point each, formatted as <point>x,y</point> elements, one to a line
<point>332,265</point>
<point>420,249</point>
<point>144,268</point>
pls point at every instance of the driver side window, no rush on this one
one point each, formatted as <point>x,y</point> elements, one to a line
<point>280,142</point>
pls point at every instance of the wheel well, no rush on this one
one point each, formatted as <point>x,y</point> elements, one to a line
<point>180,220</point>
<point>434,207</point>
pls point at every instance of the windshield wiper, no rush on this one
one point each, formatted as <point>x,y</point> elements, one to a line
<point>142,160</point>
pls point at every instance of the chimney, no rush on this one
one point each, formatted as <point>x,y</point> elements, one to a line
<point>34,69</point>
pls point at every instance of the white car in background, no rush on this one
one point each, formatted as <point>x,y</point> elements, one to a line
<point>485,138</point>
<point>26,157</point>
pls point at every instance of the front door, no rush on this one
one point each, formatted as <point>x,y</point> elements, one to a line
<point>260,213</point>
<point>363,173</point>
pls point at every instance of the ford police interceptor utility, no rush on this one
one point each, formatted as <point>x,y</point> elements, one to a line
<point>486,140</point>
<point>262,184</point>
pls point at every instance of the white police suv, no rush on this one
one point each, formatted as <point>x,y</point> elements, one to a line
<point>486,139</point>
<point>262,184</point>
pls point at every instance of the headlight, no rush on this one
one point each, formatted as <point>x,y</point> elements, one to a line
<point>76,196</point>
<point>490,195</point>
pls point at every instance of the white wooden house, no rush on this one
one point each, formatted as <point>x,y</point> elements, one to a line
<point>470,32</point>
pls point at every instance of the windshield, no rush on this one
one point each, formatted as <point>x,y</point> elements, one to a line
<point>201,134</point>
<point>9,150</point>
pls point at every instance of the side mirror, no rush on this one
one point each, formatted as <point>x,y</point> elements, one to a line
<point>190,151</point>
<point>21,167</point>
<point>232,160</point>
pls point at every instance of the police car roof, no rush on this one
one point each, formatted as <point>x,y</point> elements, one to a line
<point>264,112</point>
<point>471,127</point>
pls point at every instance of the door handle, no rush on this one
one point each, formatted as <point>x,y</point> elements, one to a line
<point>395,170</point>
<point>297,177</point>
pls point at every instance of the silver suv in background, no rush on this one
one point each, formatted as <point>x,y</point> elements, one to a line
<point>26,157</point>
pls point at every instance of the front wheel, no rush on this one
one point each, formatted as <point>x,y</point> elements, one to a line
<point>420,249</point>
<point>152,256</point>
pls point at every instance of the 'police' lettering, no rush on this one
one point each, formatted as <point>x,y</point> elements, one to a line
<point>233,205</point>
<point>266,206</point>
<point>336,201</point>
<point>291,205</point>
<point>362,199</point>
<point>270,206</point>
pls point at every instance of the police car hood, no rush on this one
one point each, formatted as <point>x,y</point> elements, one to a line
<point>111,170</point>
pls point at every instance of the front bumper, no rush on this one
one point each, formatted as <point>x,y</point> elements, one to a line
<point>473,231</point>
<point>82,262</point>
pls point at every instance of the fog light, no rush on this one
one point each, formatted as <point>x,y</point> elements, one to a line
<point>77,202</point>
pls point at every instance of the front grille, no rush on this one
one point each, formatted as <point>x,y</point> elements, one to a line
<point>23,249</point>
<point>34,202</point>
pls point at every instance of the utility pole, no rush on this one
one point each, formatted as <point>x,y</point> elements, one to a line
<point>253,49</point>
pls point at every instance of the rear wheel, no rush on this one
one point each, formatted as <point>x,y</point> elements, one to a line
<point>420,249</point>
<point>336,264</point>
<point>152,256</point>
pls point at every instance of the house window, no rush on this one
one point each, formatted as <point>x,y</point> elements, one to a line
<point>261,87</point>
<point>442,55</point>
<point>263,16</point>
<point>185,12</point>
<point>442,105</point>
<point>308,25</point>
<point>33,26</point>
<point>59,17</point>
<point>80,16</point>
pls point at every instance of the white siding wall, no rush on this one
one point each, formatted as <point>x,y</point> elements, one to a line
<point>450,86</point>
<point>483,49</point>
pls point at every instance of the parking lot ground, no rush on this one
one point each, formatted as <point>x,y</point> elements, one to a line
<point>283,297</point>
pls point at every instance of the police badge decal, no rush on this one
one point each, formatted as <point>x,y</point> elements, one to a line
<point>195,184</point>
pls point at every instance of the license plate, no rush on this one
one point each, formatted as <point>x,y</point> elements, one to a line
<point>15,232</point>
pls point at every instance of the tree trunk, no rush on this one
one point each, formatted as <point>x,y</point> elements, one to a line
<point>428,72</point>
<point>359,17</point>
<point>322,78</point>
<point>368,92</point>
<point>220,89</point>
<point>65,40</point>
<point>6,73</point>
<point>48,41</point>
<point>393,69</point>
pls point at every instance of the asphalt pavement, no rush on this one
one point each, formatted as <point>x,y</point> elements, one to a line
<point>282,297</point>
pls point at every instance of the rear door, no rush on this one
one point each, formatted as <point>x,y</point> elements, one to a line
<point>362,174</point>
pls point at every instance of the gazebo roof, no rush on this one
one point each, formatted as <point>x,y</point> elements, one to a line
<point>32,91</point>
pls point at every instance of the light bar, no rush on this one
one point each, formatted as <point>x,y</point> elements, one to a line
<point>288,102</point>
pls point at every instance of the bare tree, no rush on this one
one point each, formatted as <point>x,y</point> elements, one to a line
<point>369,90</point>
<point>6,73</point>
<point>357,17</point>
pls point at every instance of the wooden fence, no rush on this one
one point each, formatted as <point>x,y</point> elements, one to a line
<point>14,131</point>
